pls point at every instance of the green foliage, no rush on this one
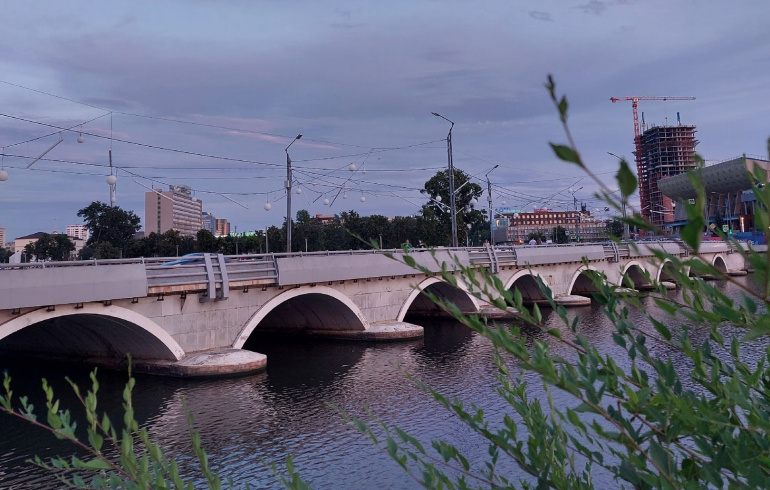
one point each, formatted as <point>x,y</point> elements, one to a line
<point>109,224</point>
<point>49,247</point>
<point>5,253</point>
<point>437,208</point>
<point>560,235</point>
<point>615,228</point>
<point>118,455</point>
<point>539,236</point>
<point>638,416</point>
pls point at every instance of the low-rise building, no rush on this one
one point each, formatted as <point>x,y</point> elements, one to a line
<point>730,199</point>
<point>517,227</point>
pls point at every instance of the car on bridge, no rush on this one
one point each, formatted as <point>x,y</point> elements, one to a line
<point>187,259</point>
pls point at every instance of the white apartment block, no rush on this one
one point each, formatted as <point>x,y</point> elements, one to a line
<point>174,209</point>
<point>78,231</point>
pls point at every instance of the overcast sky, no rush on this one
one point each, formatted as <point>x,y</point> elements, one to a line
<point>209,94</point>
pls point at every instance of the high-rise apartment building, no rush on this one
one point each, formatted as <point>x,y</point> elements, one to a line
<point>174,209</point>
<point>209,222</point>
<point>666,151</point>
<point>2,237</point>
<point>78,231</point>
<point>223,227</point>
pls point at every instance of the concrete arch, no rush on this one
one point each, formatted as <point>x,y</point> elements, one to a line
<point>311,307</point>
<point>458,295</point>
<point>635,272</point>
<point>719,263</point>
<point>580,282</point>
<point>530,291</point>
<point>667,272</point>
<point>106,330</point>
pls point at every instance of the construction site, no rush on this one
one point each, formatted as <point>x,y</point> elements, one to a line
<point>660,151</point>
<point>665,151</point>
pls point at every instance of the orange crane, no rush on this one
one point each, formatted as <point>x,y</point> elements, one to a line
<point>638,139</point>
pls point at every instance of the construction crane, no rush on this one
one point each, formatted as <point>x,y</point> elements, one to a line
<point>638,138</point>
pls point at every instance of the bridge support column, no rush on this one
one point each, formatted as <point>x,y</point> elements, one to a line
<point>385,331</point>
<point>213,363</point>
<point>572,300</point>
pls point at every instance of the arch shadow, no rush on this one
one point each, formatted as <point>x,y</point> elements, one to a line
<point>525,281</point>
<point>635,276</point>
<point>93,331</point>
<point>719,263</point>
<point>418,303</point>
<point>582,282</point>
<point>298,309</point>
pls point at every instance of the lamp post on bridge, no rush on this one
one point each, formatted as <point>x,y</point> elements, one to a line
<point>623,203</point>
<point>452,209</point>
<point>577,216</point>
<point>489,198</point>
<point>288,195</point>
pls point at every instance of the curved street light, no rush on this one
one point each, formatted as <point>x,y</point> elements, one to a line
<point>452,210</point>
<point>489,198</point>
<point>288,195</point>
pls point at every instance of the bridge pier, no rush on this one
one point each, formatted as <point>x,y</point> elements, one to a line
<point>385,331</point>
<point>214,363</point>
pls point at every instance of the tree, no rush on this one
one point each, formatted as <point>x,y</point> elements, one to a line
<point>50,247</point>
<point>466,193</point>
<point>615,228</point>
<point>5,254</point>
<point>205,241</point>
<point>109,224</point>
<point>560,235</point>
<point>537,235</point>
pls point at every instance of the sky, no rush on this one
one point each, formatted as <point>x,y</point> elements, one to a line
<point>210,94</point>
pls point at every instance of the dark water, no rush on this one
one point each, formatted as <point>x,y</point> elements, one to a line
<point>248,423</point>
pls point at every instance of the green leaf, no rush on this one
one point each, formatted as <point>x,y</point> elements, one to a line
<point>94,464</point>
<point>626,179</point>
<point>760,328</point>
<point>566,153</point>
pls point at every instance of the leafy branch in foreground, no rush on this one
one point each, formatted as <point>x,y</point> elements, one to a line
<point>116,458</point>
<point>680,406</point>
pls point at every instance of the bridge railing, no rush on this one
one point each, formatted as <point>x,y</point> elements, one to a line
<point>212,270</point>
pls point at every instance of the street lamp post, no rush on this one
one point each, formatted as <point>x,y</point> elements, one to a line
<point>577,215</point>
<point>288,195</point>
<point>489,198</point>
<point>623,203</point>
<point>452,210</point>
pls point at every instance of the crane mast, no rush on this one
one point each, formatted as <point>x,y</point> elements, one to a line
<point>640,171</point>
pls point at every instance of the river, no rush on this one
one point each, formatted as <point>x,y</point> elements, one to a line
<point>250,422</point>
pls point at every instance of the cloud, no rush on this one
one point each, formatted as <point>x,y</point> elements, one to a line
<point>595,7</point>
<point>537,15</point>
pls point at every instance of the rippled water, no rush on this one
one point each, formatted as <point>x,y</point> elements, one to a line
<point>247,423</point>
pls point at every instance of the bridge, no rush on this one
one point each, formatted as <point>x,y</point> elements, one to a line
<point>194,317</point>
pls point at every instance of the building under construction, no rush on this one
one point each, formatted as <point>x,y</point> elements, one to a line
<point>665,151</point>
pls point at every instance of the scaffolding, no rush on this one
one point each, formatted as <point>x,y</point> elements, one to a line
<point>665,151</point>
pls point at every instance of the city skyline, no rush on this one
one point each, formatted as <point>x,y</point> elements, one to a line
<point>168,92</point>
